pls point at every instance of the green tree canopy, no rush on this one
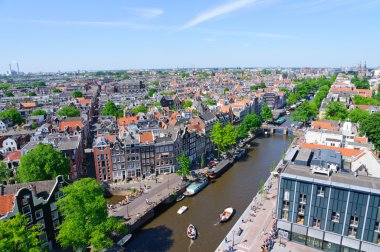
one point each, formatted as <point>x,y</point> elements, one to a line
<point>89,225</point>
<point>336,111</point>
<point>32,94</point>
<point>187,104</point>
<point>42,163</point>
<point>156,83</point>
<point>77,94</point>
<point>257,87</point>
<point>210,102</point>
<point>16,236</point>
<point>184,165</point>
<point>56,90</point>
<point>151,92</point>
<point>358,115</point>
<point>141,108</point>
<point>69,111</point>
<point>39,84</point>
<point>8,94</point>
<point>12,114</point>
<point>370,127</point>
<point>110,109</point>
<point>360,100</point>
<point>360,83</point>
<point>305,112</point>
<point>5,173</point>
<point>39,112</point>
<point>251,122</point>
<point>266,113</point>
<point>223,137</point>
<point>292,98</point>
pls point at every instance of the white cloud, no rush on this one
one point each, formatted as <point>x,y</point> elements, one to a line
<point>220,10</point>
<point>146,12</point>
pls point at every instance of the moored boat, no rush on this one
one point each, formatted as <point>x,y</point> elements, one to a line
<point>182,209</point>
<point>196,186</point>
<point>191,232</point>
<point>211,174</point>
<point>226,214</point>
<point>124,240</point>
<point>180,197</point>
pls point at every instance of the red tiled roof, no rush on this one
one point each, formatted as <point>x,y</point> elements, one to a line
<point>146,137</point>
<point>127,120</point>
<point>323,125</point>
<point>28,104</point>
<point>13,156</point>
<point>70,125</point>
<point>344,151</point>
<point>6,203</point>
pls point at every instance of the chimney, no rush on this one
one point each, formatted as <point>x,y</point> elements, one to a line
<point>32,187</point>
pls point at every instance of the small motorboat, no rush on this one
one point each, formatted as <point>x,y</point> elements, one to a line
<point>191,232</point>
<point>180,197</point>
<point>226,215</point>
<point>211,174</point>
<point>182,209</point>
<point>124,240</point>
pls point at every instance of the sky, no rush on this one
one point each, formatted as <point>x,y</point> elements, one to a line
<point>69,35</point>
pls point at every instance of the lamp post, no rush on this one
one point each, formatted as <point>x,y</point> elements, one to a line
<point>233,238</point>
<point>127,207</point>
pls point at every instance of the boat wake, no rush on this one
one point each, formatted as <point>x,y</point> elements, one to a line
<point>191,243</point>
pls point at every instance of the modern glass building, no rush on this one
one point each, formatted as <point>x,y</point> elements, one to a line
<point>331,211</point>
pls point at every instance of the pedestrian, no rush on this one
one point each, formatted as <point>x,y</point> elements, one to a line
<point>225,240</point>
<point>156,180</point>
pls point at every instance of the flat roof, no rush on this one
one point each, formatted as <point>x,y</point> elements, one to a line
<point>339,179</point>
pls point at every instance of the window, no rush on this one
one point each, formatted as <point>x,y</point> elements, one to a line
<point>26,209</point>
<point>286,195</point>
<point>316,223</point>
<point>39,214</point>
<point>335,217</point>
<point>56,224</point>
<point>301,209</point>
<point>320,191</point>
<point>377,226</point>
<point>302,198</point>
<point>58,195</point>
<point>53,207</point>
<point>41,223</point>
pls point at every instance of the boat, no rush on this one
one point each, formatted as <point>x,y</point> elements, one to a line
<point>226,215</point>
<point>196,186</point>
<point>191,232</point>
<point>182,209</point>
<point>280,121</point>
<point>211,174</point>
<point>180,197</point>
<point>124,240</point>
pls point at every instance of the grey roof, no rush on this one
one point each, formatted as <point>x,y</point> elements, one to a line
<point>327,156</point>
<point>207,116</point>
<point>43,188</point>
<point>303,155</point>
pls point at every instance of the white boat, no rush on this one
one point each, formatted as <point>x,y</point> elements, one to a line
<point>182,209</point>
<point>124,240</point>
<point>226,215</point>
<point>191,232</point>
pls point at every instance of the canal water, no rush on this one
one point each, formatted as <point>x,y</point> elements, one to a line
<point>235,188</point>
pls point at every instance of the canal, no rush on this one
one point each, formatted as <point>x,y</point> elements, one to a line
<point>235,188</point>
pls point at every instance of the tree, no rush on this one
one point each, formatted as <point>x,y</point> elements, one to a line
<point>266,113</point>
<point>39,112</point>
<point>250,123</point>
<point>360,100</point>
<point>336,111</point>
<point>261,188</point>
<point>358,115</point>
<point>15,235</point>
<point>69,111</point>
<point>89,225</point>
<point>305,112</point>
<point>5,173</point>
<point>8,94</point>
<point>210,102</point>
<point>229,134</point>
<point>242,131</point>
<point>77,94</point>
<point>292,98</point>
<point>39,84</point>
<point>12,114</point>
<point>156,83</point>
<point>32,94</point>
<point>370,127</point>
<point>42,163</point>
<point>360,83</point>
<point>184,165</point>
<point>34,125</point>
<point>187,104</point>
<point>110,109</point>
<point>151,91</point>
<point>141,108</point>
<point>226,90</point>
<point>56,90</point>
<point>217,136</point>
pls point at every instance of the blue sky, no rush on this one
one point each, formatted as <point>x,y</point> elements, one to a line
<point>123,34</point>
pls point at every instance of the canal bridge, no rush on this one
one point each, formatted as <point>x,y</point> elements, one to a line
<point>280,130</point>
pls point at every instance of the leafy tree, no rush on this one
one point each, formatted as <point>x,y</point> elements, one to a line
<point>260,86</point>
<point>39,84</point>
<point>69,111</point>
<point>42,163</point>
<point>229,135</point>
<point>226,90</point>
<point>16,236</point>
<point>305,112</point>
<point>261,188</point>
<point>370,127</point>
<point>5,173</point>
<point>89,225</point>
<point>266,113</point>
<point>126,76</point>
<point>184,165</point>
<point>336,111</point>
<point>155,104</point>
<point>360,100</point>
<point>358,115</point>
<point>251,122</point>
<point>77,94</point>
<point>242,131</point>
<point>56,90</point>
<point>110,109</point>
<point>156,83</point>
<point>152,91</point>
<point>184,74</point>
<point>34,125</point>
<point>8,94</point>
<point>141,108</point>
<point>187,104</point>
<point>360,83</point>
<point>210,102</point>
<point>32,94</point>
<point>39,112</point>
<point>292,98</point>
<point>217,136</point>
<point>12,114</point>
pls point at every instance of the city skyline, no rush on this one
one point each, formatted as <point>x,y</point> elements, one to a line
<point>48,37</point>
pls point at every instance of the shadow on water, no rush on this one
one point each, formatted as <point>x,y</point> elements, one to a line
<point>147,239</point>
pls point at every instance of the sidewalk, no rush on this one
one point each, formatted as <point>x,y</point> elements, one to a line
<point>167,184</point>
